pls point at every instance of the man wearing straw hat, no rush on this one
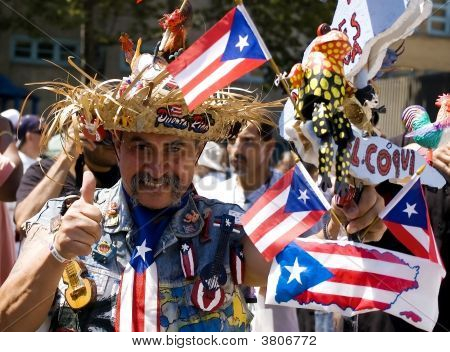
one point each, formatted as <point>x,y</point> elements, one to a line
<point>155,257</point>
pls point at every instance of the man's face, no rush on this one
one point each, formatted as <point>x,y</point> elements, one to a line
<point>248,153</point>
<point>157,169</point>
<point>99,154</point>
<point>34,139</point>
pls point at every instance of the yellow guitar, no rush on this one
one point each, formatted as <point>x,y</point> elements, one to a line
<point>81,291</point>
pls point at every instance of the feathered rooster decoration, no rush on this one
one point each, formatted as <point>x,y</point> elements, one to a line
<point>175,26</point>
<point>422,130</point>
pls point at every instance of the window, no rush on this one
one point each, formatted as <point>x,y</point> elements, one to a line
<point>45,51</point>
<point>34,50</point>
<point>439,21</point>
<point>23,48</point>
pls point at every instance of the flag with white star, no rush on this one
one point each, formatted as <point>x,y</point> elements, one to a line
<point>406,216</point>
<point>138,298</point>
<point>187,258</point>
<point>285,211</point>
<point>229,50</point>
<point>353,278</point>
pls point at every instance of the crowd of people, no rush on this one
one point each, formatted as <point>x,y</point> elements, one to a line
<point>238,172</point>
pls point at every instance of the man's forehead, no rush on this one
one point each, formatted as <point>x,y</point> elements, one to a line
<point>250,131</point>
<point>153,138</point>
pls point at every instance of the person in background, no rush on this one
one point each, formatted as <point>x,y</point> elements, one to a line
<point>286,162</point>
<point>211,167</point>
<point>10,174</point>
<point>29,134</point>
<point>250,155</point>
<point>13,116</point>
<point>62,176</point>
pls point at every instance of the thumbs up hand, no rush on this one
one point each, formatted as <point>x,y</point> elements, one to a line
<point>80,226</point>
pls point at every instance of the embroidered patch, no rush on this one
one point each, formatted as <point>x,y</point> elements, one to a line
<point>189,228</point>
<point>169,117</point>
<point>103,251</point>
<point>191,217</point>
<point>112,209</point>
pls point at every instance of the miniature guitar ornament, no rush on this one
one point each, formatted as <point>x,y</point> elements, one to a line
<point>81,291</point>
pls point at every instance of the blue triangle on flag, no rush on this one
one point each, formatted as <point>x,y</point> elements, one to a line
<point>411,209</point>
<point>242,43</point>
<point>302,196</point>
<point>299,272</point>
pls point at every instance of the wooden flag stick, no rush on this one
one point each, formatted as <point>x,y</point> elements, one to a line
<point>336,218</point>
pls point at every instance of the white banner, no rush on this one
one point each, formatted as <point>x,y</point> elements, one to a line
<point>236,342</point>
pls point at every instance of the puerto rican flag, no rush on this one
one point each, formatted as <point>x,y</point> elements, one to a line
<point>407,218</point>
<point>230,49</point>
<point>287,210</point>
<point>354,278</point>
<point>138,299</point>
<point>187,259</point>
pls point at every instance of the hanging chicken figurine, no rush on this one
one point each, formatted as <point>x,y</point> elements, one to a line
<point>322,88</point>
<point>426,134</point>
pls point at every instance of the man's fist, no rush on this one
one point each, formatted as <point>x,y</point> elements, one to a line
<point>357,217</point>
<point>441,159</point>
<point>80,226</point>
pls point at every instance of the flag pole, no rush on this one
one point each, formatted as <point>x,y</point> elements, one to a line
<point>277,71</point>
<point>417,174</point>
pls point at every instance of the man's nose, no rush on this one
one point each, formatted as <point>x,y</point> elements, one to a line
<point>156,165</point>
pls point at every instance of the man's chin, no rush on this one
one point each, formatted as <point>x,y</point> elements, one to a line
<point>155,201</point>
<point>155,197</point>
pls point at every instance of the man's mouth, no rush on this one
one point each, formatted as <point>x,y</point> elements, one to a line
<point>152,183</point>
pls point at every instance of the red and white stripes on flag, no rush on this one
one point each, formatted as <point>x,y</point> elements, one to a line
<point>138,301</point>
<point>237,264</point>
<point>362,280</point>
<point>281,214</point>
<point>406,216</point>
<point>201,70</point>
<point>187,259</point>
<point>352,278</point>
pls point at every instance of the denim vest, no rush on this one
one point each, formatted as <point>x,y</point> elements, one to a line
<point>176,308</point>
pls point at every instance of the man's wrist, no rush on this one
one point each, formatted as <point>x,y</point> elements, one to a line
<point>56,254</point>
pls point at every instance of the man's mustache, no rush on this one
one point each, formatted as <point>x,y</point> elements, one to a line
<point>145,179</point>
<point>239,157</point>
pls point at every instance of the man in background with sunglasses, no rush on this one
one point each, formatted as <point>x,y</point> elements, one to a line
<point>51,178</point>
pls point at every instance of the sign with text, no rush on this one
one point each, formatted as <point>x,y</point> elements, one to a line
<point>373,159</point>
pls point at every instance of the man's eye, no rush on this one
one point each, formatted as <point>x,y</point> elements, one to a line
<point>174,148</point>
<point>141,146</point>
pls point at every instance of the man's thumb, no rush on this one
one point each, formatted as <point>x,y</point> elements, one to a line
<point>88,187</point>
